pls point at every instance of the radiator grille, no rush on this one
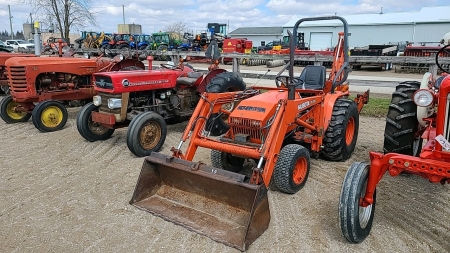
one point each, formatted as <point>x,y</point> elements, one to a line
<point>17,78</point>
<point>104,106</point>
<point>246,126</point>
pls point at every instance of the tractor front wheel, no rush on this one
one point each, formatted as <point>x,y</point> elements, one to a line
<point>49,116</point>
<point>292,168</point>
<point>223,82</point>
<point>88,129</point>
<point>8,111</point>
<point>356,221</point>
<point>146,133</point>
<point>342,132</point>
<point>226,161</point>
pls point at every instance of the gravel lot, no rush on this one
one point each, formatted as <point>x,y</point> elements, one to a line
<point>60,193</point>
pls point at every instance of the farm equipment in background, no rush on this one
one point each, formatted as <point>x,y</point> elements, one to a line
<point>236,45</point>
<point>277,129</point>
<point>418,111</point>
<point>140,41</point>
<point>52,45</point>
<point>144,100</point>
<point>374,50</point>
<point>53,82</point>
<point>165,41</point>
<point>3,73</point>
<point>119,41</point>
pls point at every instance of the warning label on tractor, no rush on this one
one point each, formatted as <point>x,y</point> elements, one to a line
<point>444,143</point>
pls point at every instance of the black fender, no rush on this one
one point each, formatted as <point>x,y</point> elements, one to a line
<point>127,63</point>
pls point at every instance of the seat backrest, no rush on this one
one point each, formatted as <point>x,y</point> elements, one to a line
<point>313,77</point>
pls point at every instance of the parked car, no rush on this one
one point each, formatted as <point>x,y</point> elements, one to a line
<point>20,45</point>
<point>5,48</point>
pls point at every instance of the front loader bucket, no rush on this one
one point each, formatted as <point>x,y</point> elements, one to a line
<point>210,201</point>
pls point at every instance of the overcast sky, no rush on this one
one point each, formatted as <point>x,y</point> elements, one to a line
<point>154,15</point>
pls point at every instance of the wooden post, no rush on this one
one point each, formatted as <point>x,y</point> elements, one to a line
<point>433,70</point>
<point>175,58</point>
<point>236,65</point>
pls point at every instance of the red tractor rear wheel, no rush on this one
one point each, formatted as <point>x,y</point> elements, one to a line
<point>401,122</point>
<point>223,82</point>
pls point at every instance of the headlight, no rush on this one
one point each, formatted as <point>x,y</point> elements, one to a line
<point>169,93</point>
<point>162,95</point>
<point>121,57</point>
<point>87,56</point>
<point>97,100</point>
<point>423,98</point>
<point>114,103</point>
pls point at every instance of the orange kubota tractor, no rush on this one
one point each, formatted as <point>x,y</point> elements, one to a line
<point>418,111</point>
<point>41,87</point>
<point>277,129</point>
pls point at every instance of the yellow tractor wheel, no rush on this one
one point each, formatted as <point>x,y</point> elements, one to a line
<point>49,116</point>
<point>9,112</point>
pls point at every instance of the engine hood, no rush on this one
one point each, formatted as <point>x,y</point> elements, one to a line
<point>258,108</point>
<point>6,56</point>
<point>41,61</point>
<point>135,80</point>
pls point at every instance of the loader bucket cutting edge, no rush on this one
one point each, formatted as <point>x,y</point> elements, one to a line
<point>209,201</point>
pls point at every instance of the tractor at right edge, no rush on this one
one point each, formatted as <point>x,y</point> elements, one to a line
<point>418,111</point>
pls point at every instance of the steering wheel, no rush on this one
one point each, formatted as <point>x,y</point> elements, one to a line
<point>284,80</point>
<point>443,51</point>
<point>169,66</point>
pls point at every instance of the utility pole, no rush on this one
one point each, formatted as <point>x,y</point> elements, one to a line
<point>10,22</point>
<point>123,13</point>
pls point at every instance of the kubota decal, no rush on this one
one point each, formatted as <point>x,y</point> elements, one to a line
<point>306,104</point>
<point>251,108</point>
<point>127,83</point>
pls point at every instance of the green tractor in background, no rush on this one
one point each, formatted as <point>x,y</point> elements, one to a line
<point>165,41</point>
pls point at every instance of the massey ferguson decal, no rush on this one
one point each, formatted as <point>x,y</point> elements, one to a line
<point>127,83</point>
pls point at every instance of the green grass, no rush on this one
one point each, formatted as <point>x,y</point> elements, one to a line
<point>377,107</point>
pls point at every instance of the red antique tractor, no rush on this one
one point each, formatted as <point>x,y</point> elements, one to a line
<point>41,87</point>
<point>3,74</point>
<point>143,100</point>
<point>418,111</point>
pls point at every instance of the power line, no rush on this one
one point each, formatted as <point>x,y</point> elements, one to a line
<point>144,14</point>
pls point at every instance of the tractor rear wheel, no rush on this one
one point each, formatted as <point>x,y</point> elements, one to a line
<point>223,82</point>
<point>91,131</point>
<point>401,122</point>
<point>342,132</point>
<point>49,116</point>
<point>146,133</point>
<point>226,161</point>
<point>292,168</point>
<point>8,112</point>
<point>143,47</point>
<point>356,221</point>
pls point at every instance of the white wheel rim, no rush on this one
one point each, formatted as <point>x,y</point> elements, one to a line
<point>364,212</point>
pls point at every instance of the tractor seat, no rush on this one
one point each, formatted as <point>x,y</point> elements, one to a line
<point>196,75</point>
<point>191,79</point>
<point>311,78</point>
<point>438,82</point>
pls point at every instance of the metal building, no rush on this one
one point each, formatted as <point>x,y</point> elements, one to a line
<point>427,25</point>
<point>258,35</point>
